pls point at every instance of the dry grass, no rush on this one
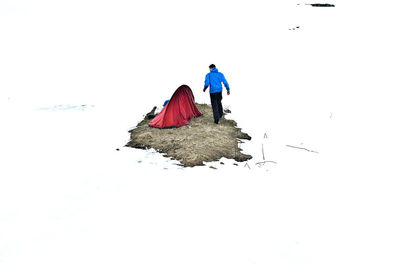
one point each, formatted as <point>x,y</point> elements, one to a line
<point>204,141</point>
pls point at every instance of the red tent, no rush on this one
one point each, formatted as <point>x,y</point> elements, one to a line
<point>178,111</point>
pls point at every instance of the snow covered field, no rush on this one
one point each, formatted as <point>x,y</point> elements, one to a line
<point>75,76</point>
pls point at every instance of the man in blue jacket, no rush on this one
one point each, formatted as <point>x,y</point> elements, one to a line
<point>214,79</point>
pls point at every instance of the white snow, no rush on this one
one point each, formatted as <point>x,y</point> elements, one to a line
<point>77,75</point>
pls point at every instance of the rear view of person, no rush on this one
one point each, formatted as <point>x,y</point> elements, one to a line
<point>214,80</point>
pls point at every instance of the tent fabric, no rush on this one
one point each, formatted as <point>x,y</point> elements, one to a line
<point>180,109</point>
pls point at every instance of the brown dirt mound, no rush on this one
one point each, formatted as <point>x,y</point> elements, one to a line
<point>203,141</point>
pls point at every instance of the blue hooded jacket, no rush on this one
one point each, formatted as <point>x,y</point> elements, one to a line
<point>214,79</point>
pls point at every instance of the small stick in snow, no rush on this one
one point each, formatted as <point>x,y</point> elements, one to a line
<point>290,146</point>
<point>247,165</point>
<point>265,135</point>
<point>262,145</point>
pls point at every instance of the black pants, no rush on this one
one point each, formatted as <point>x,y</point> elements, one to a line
<point>216,105</point>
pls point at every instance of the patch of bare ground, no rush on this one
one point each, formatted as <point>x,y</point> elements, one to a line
<point>203,141</point>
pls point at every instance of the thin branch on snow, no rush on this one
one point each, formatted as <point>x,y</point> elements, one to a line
<point>259,164</point>
<point>301,148</point>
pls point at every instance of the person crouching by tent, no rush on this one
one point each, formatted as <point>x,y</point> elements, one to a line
<point>214,80</point>
<point>156,110</point>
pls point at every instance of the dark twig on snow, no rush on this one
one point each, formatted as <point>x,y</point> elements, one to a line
<point>321,5</point>
<point>301,148</point>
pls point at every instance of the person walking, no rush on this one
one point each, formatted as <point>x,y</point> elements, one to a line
<point>214,80</point>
